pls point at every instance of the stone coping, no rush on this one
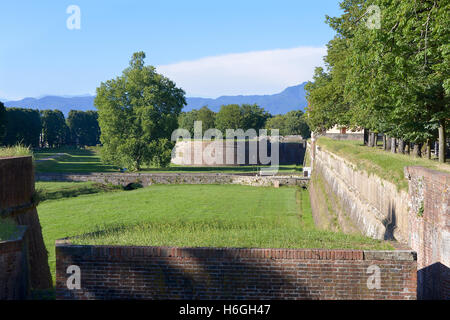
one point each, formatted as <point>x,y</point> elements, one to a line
<point>235,253</point>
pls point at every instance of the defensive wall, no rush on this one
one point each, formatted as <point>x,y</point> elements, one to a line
<point>346,198</point>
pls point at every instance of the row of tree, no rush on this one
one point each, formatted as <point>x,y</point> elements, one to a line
<point>388,71</point>
<point>48,128</point>
<point>245,116</point>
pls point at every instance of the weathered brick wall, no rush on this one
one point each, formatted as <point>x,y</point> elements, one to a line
<point>147,179</point>
<point>226,273</point>
<point>14,280</point>
<point>429,193</point>
<point>16,202</point>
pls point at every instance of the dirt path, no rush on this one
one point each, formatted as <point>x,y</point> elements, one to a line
<point>55,156</point>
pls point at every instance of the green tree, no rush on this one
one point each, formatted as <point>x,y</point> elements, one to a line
<point>295,124</point>
<point>229,117</point>
<point>54,128</point>
<point>22,126</point>
<point>207,117</point>
<point>276,122</point>
<point>137,113</point>
<point>291,123</point>
<point>253,117</point>
<point>393,79</point>
<point>186,120</point>
<point>84,128</point>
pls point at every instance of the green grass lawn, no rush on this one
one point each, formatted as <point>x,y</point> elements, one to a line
<point>386,165</point>
<point>59,190</point>
<point>73,160</point>
<point>88,160</point>
<point>192,215</point>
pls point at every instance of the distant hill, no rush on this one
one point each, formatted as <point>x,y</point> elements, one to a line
<point>65,104</point>
<point>292,98</point>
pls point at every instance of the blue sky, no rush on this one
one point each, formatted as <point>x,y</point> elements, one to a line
<point>209,48</point>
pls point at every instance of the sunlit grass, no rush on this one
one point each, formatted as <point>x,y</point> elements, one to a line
<point>192,216</point>
<point>386,165</point>
<point>15,151</point>
<point>59,190</point>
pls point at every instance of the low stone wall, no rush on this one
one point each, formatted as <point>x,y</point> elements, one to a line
<point>112,272</point>
<point>147,179</point>
<point>14,280</point>
<point>17,202</point>
<point>347,199</point>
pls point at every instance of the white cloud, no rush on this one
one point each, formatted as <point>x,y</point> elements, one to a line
<point>257,72</point>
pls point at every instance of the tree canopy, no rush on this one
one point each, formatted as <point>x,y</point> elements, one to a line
<point>54,128</point>
<point>291,123</point>
<point>393,78</point>
<point>84,128</point>
<point>22,126</point>
<point>137,113</point>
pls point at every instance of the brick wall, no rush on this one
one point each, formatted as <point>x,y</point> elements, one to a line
<point>429,222</point>
<point>14,280</point>
<point>16,202</point>
<point>109,272</point>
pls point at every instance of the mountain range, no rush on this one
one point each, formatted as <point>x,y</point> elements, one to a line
<point>292,98</point>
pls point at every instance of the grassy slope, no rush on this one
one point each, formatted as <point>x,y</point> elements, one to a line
<point>83,161</point>
<point>386,165</point>
<point>199,215</point>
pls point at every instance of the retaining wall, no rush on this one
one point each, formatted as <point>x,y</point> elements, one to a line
<point>348,199</point>
<point>14,279</point>
<point>111,272</point>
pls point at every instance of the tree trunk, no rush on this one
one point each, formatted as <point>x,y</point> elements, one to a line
<point>388,143</point>
<point>384,142</point>
<point>401,146</point>
<point>372,139</point>
<point>393,141</point>
<point>442,141</point>
<point>366,137</point>
<point>436,148</point>
<point>428,152</point>
<point>407,147</point>
<point>416,150</point>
